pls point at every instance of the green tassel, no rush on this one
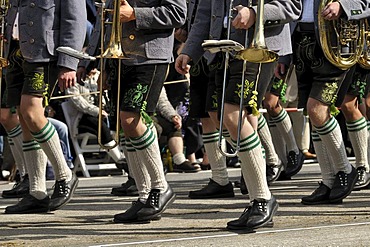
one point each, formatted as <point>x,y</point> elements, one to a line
<point>334,110</point>
<point>144,116</point>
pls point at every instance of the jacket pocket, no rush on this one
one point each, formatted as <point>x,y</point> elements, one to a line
<point>52,41</point>
<point>158,47</point>
<point>45,4</point>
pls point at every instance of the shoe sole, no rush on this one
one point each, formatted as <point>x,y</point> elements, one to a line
<point>150,217</point>
<point>68,199</point>
<point>322,202</point>
<point>183,171</point>
<point>15,196</point>
<point>137,221</point>
<point>213,197</point>
<point>36,211</point>
<point>268,224</point>
<point>265,224</point>
<point>336,200</point>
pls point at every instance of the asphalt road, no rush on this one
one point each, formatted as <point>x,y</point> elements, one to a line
<point>87,219</point>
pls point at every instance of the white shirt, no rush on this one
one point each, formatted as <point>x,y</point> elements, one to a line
<point>15,34</point>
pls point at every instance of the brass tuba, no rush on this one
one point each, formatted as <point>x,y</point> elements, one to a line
<point>364,59</point>
<point>342,41</point>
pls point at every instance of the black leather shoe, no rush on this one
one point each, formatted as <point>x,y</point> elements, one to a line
<point>343,185</point>
<point>156,203</point>
<point>259,214</point>
<point>63,192</point>
<point>295,162</point>
<point>319,196</point>
<point>213,190</point>
<point>19,190</point>
<point>130,216</point>
<point>29,205</point>
<point>126,189</point>
<point>363,179</point>
<point>273,172</point>
<point>185,166</point>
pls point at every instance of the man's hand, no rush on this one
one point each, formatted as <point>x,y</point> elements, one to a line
<point>126,12</point>
<point>181,34</point>
<point>176,120</point>
<point>66,78</point>
<point>81,75</point>
<point>280,70</point>
<point>245,17</point>
<point>332,11</point>
<point>182,64</point>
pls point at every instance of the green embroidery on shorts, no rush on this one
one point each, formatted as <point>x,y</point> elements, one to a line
<point>18,53</point>
<point>214,101</point>
<point>134,96</point>
<point>359,86</point>
<point>195,70</point>
<point>248,86</point>
<point>329,92</point>
<point>37,81</point>
<point>280,84</point>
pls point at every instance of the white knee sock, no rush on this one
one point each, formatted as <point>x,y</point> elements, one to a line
<point>36,167</point>
<point>331,136</point>
<point>284,125</point>
<point>138,171</point>
<point>254,167</point>
<point>357,132</point>
<point>216,159</point>
<point>266,139</point>
<point>147,149</point>
<point>325,163</point>
<point>49,141</point>
<point>16,141</point>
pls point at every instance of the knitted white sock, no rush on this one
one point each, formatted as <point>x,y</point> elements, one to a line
<point>254,167</point>
<point>16,141</point>
<point>331,136</point>
<point>325,163</point>
<point>266,139</point>
<point>36,167</point>
<point>148,152</point>
<point>137,171</point>
<point>216,159</point>
<point>357,132</point>
<point>178,158</point>
<point>49,141</point>
<point>279,143</point>
<point>284,125</point>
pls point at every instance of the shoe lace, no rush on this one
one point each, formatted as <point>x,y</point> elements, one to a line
<point>154,198</point>
<point>293,158</point>
<point>261,205</point>
<point>361,174</point>
<point>61,187</point>
<point>343,178</point>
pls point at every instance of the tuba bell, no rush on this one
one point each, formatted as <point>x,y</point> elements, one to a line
<point>364,59</point>
<point>342,41</point>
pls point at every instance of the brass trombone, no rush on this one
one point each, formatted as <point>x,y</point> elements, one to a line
<point>256,53</point>
<point>113,51</point>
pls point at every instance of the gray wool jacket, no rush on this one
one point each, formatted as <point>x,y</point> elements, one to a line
<point>44,25</point>
<point>208,24</point>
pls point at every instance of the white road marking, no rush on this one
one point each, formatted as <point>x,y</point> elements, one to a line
<point>231,235</point>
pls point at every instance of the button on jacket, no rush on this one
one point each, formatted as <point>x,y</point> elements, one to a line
<point>44,25</point>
